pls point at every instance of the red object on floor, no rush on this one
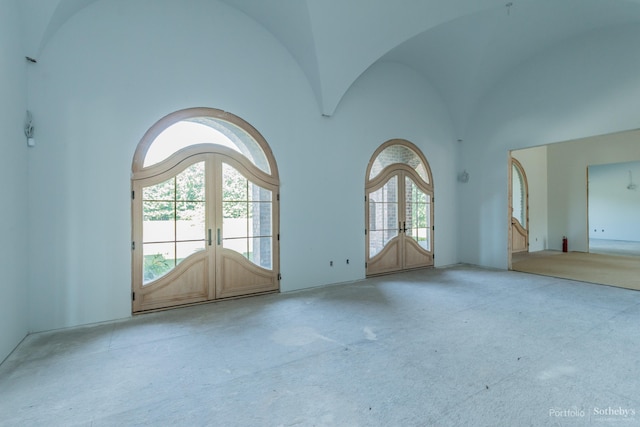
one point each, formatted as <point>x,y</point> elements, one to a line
<point>565,244</point>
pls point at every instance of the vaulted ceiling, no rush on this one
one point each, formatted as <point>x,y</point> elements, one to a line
<point>462,47</point>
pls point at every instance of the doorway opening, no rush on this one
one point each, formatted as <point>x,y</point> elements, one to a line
<point>613,204</point>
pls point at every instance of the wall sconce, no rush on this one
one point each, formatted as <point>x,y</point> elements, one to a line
<point>631,185</point>
<point>463,177</point>
<point>29,129</point>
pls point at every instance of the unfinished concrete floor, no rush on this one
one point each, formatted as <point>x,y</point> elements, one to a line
<point>445,347</point>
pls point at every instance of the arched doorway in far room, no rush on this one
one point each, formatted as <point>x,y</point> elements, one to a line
<point>519,199</point>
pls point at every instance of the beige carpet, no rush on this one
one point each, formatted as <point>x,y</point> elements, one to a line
<point>611,270</point>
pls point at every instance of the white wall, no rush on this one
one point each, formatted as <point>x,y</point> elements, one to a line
<point>118,66</point>
<point>614,203</point>
<point>13,175</point>
<point>581,87</point>
<point>568,164</point>
<point>534,162</point>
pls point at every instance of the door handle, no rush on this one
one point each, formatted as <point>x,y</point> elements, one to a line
<point>209,237</point>
<point>219,237</point>
<point>404,226</point>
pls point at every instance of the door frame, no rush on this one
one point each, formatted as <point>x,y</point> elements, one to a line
<point>401,170</point>
<point>511,162</point>
<point>204,151</point>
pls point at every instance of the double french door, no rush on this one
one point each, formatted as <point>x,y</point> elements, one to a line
<point>399,218</point>
<point>205,228</point>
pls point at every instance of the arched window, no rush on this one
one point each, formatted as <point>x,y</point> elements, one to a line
<point>399,213</point>
<point>205,211</point>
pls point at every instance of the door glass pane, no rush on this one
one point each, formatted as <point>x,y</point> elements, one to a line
<point>259,219</point>
<point>239,245</point>
<point>184,249</point>
<point>159,259</point>
<point>190,221</point>
<point>158,221</point>
<point>235,219</point>
<point>190,183</point>
<point>234,185</point>
<point>518,196</point>
<point>383,216</point>
<point>260,251</point>
<point>247,218</point>
<point>259,194</point>
<point>163,191</point>
<point>173,221</point>
<point>417,214</point>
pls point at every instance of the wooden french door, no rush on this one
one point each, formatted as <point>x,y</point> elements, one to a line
<point>399,218</point>
<point>204,229</point>
<point>519,237</point>
<point>519,208</point>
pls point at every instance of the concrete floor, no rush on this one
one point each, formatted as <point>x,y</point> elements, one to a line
<point>459,346</point>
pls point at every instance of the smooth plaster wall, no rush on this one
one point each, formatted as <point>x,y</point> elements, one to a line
<point>534,162</point>
<point>118,66</point>
<point>614,204</point>
<point>13,175</point>
<point>581,87</point>
<point>568,163</point>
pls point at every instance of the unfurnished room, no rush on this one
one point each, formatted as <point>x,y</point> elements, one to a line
<point>319,212</point>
